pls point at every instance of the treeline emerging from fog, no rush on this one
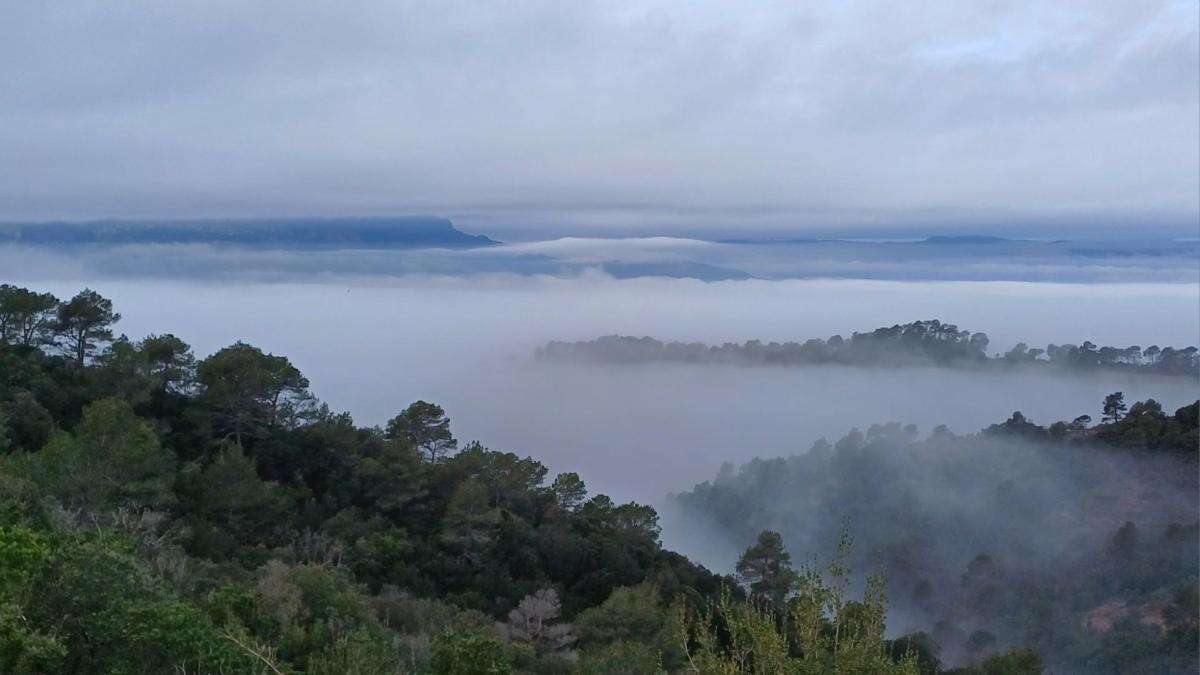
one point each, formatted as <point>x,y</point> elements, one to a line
<point>1078,541</point>
<point>921,343</point>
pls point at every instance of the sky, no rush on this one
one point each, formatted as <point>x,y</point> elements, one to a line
<point>607,116</point>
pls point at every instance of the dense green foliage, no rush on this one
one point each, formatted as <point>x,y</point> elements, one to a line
<point>160,512</point>
<point>921,343</point>
<point>1079,542</point>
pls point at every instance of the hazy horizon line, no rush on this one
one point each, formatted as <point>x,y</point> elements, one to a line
<point>623,220</point>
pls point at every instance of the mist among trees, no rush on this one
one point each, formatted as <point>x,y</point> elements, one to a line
<point>1077,541</point>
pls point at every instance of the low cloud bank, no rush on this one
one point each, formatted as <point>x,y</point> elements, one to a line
<point>372,346</point>
<point>974,259</point>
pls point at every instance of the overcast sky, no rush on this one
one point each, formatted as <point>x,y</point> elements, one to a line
<point>789,113</point>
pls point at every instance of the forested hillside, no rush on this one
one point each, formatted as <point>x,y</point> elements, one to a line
<point>162,513</point>
<point>1078,541</point>
<point>920,343</point>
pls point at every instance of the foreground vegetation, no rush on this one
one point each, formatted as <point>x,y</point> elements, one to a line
<point>160,513</point>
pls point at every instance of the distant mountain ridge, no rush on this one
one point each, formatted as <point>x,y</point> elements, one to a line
<point>386,232</point>
<point>966,239</point>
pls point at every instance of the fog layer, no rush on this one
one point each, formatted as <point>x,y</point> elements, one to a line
<point>1094,260</point>
<point>371,348</point>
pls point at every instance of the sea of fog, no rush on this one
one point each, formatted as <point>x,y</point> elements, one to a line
<point>371,346</point>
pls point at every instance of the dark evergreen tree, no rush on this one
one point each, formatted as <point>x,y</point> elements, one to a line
<point>84,323</point>
<point>426,427</point>
<point>1114,407</point>
<point>766,567</point>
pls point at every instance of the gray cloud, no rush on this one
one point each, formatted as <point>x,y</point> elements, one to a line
<point>792,114</point>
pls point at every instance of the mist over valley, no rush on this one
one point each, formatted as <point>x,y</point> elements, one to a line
<point>372,343</point>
